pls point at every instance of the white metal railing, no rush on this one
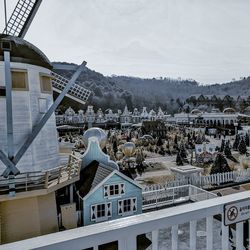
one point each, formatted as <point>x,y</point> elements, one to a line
<point>125,231</point>
<point>169,196</point>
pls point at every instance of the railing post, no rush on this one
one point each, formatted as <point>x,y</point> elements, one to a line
<point>193,234</point>
<point>79,165</point>
<point>156,198</point>
<point>155,235</point>
<point>128,243</point>
<point>209,231</point>
<point>224,238</point>
<point>248,232</point>
<point>174,233</point>
<point>26,182</point>
<point>71,193</point>
<point>239,236</point>
<point>46,179</point>
<point>173,195</point>
<point>59,175</point>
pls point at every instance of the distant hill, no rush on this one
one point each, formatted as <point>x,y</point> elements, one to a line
<point>117,91</point>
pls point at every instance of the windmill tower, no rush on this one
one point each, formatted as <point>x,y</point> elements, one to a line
<point>28,137</point>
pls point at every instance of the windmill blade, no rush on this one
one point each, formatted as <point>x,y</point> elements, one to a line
<point>22,17</point>
<point>76,92</point>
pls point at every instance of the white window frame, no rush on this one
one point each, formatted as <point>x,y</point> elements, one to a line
<point>133,208</point>
<point>94,212</point>
<point>107,188</point>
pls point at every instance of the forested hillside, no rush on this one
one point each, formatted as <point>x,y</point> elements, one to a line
<point>117,91</point>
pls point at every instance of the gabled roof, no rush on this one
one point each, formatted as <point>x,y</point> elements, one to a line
<point>106,178</point>
<point>101,173</point>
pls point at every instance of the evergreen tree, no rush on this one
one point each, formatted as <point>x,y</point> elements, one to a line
<point>222,147</point>
<point>159,142</point>
<point>115,149</point>
<point>247,140</point>
<point>176,139</point>
<point>179,161</point>
<point>220,165</point>
<point>242,147</point>
<point>194,137</point>
<point>183,152</point>
<point>227,150</point>
<point>236,142</point>
<point>109,134</point>
<point>198,140</point>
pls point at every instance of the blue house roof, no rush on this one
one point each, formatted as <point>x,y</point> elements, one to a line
<point>95,175</point>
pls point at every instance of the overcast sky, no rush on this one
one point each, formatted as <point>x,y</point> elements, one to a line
<point>206,40</point>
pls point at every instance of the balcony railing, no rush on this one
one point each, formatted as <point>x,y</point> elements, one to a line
<point>204,215</point>
<point>43,180</point>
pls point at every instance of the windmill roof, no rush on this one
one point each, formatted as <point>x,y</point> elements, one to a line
<point>24,52</point>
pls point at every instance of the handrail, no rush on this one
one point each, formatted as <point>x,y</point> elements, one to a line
<point>125,230</point>
<point>43,179</point>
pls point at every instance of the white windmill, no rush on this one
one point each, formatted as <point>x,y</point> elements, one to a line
<point>27,123</point>
<point>32,178</point>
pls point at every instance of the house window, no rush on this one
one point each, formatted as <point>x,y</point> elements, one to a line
<point>114,190</point>
<point>101,212</point>
<point>46,85</point>
<point>19,79</point>
<point>127,206</point>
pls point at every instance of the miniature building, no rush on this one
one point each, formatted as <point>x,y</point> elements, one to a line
<point>125,118</point>
<point>105,193</point>
<point>90,116</point>
<point>186,172</point>
<point>108,118</point>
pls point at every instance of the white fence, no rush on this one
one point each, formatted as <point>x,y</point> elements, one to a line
<point>206,181</point>
<point>124,231</point>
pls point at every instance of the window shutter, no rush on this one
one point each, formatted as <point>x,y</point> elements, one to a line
<point>93,212</point>
<point>106,191</point>
<point>109,210</point>
<point>120,207</point>
<point>134,204</point>
<point>122,188</point>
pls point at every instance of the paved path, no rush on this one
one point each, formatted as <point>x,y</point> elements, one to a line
<point>161,159</point>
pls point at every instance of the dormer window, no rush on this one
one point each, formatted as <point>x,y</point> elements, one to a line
<point>46,83</point>
<point>19,79</point>
<point>114,190</point>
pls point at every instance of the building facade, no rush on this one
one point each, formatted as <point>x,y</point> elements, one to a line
<point>123,118</point>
